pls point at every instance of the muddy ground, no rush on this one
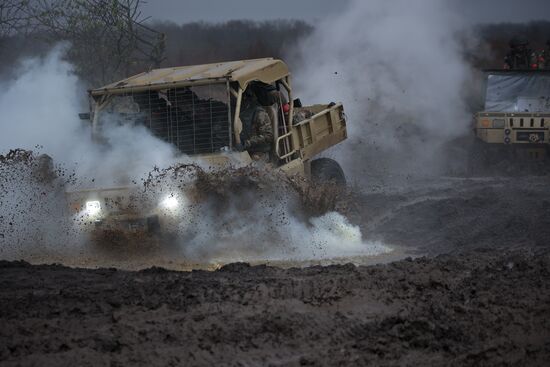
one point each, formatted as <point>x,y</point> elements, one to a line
<point>450,215</point>
<point>475,292</point>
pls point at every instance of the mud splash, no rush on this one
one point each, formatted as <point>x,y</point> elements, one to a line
<point>33,219</point>
<point>222,185</point>
<point>257,214</point>
<point>251,213</point>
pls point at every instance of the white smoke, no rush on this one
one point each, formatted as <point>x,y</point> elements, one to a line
<point>398,67</point>
<point>40,108</point>
<point>268,230</point>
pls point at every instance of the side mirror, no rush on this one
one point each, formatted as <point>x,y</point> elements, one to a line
<point>297,103</point>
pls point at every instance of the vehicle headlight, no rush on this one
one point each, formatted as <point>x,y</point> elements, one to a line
<point>170,202</point>
<point>93,207</point>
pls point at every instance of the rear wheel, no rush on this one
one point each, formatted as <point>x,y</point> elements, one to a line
<point>326,170</point>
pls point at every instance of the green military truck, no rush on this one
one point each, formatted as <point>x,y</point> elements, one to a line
<point>514,125</point>
<point>198,110</point>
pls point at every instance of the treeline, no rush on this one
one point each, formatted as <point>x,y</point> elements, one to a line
<point>108,38</point>
<point>202,42</point>
<point>186,44</point>
<point>198,43</point>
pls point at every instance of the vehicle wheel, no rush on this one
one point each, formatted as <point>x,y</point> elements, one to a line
<point>326,170</point>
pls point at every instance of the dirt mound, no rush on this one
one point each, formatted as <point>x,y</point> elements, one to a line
<point>469,309</point>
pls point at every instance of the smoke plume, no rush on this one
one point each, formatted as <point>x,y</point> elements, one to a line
<point>399,69</point>
<point>40,108</point>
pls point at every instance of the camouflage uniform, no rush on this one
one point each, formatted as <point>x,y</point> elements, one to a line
<point>262,132</point>
<point>257,134</point>
<point>301,115</point>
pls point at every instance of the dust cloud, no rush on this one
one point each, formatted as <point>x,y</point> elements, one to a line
<point>399,69</point>
<point>40,113</point>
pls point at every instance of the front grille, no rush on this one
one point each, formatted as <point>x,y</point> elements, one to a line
<point>194,119</point>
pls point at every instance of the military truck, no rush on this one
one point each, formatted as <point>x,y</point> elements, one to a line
<point>515,122</point>
<point>197,109</point>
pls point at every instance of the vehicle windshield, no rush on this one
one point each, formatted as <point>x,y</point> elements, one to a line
<point>194,119</point>
<point>518,92</point>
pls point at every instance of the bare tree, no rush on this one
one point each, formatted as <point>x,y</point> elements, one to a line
<point>13,16</point>
<point>108,38</point>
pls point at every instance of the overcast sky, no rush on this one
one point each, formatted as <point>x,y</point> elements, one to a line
<point>184,11</point>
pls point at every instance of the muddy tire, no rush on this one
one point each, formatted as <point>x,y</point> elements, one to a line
<point>326,170</point>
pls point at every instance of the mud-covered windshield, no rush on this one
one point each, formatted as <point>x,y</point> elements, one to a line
<point>518,92</point>
<point>194,119</point>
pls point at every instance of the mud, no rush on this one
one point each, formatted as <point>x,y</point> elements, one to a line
<point>481,308</point>
<point>473,290</point>
<point>450,215</point>
<point>250,184</point>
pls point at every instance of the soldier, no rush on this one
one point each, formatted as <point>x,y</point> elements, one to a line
<point>257,133</point>
<point>520,56</point>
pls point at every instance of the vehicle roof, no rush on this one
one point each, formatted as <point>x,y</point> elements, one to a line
<point>266,70</point>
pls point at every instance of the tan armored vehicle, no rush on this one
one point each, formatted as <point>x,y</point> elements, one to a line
<point>199,109</point>
<point>515,122</point>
